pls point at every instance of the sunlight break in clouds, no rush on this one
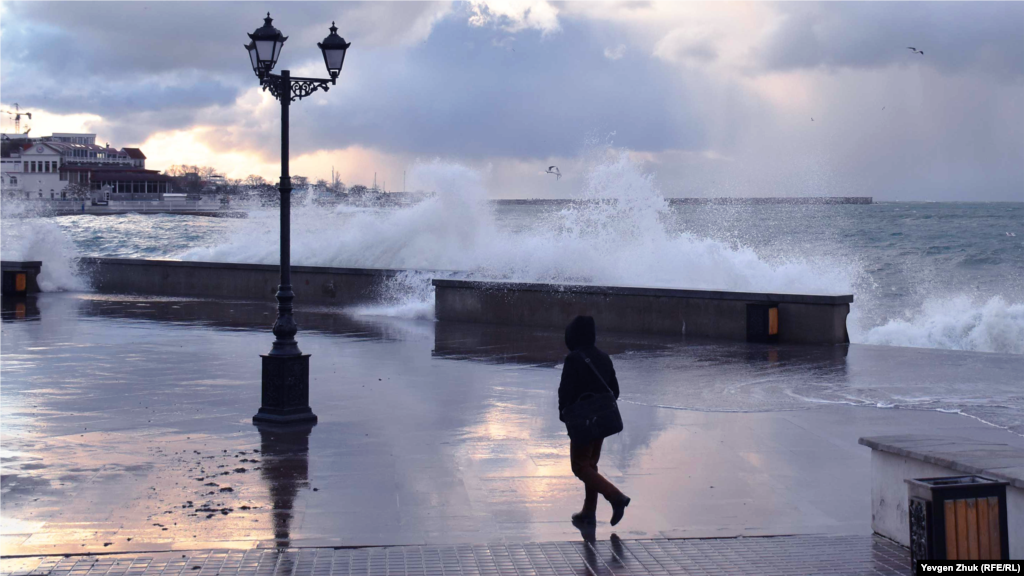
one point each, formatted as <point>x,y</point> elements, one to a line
<point>353,165</point>
<point>517,85</point>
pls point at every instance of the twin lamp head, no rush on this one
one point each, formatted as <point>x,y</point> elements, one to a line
<point>266,43</point>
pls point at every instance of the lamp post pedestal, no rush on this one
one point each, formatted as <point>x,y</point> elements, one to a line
<point>285,391</point>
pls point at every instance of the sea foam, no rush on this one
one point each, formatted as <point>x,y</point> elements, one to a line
<point>958,323</point>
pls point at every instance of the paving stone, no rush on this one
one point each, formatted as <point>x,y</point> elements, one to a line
<point>783,555</point>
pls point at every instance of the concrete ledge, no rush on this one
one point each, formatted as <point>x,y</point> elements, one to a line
<point>803,319</point>
<point>226,280</point>
<point>235,266</point>
<point>639,291</point>
<point>992,460</point>
<point>898,458</point>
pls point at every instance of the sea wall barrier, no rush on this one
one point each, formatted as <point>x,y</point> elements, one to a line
<point>792,318</point>
<point>225,280</point>
<point>20,277</point>
<point>741,316</point>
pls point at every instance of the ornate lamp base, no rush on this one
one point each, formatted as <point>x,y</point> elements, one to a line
<point>285,391</point>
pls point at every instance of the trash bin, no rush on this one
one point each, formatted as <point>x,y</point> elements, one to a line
<point>762,323</point>
<point>957,518</point>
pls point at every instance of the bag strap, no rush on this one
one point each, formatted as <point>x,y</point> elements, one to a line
<point>596,373</point>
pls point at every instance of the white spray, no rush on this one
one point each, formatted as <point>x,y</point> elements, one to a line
<point>34,239</point>
<point>614,235</point>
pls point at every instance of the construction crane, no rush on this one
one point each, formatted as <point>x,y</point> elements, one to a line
<point>17,113</point>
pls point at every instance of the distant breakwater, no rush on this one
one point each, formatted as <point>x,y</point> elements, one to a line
<point>808,200</point>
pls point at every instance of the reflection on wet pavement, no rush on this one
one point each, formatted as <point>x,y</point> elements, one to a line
<point>126,425</point>
<point>285,453</point>
<point>19,308</point>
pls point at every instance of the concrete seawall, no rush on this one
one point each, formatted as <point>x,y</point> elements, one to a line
<point>804,319</point>
<point>800,319</point>
<point>20,277</point>
<point>224,280</point>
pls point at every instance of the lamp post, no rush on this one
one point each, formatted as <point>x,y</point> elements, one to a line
<point>286,369</point>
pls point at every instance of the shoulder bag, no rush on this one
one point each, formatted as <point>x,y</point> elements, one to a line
<point>593,416</point>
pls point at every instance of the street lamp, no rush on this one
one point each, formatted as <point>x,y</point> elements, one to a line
<point>286,369</point>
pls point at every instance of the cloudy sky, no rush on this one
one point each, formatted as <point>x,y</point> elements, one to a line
<point>713,99</point>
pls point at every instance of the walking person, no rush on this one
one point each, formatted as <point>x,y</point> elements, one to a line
<point>586,403</point>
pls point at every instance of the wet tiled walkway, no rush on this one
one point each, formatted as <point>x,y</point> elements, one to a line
<point>781,555</point>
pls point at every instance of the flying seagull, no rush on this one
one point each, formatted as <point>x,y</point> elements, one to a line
<point>554,170</point>
<point>915,50</point>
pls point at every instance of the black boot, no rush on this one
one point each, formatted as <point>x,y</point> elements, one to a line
<point>618,509</point>
<point>584,518</point>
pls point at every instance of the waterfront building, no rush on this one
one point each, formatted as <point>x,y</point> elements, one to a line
<point>10,169</point>
<point>72,166</point>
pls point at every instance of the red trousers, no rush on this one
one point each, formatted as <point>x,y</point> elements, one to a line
<point>583,458</point>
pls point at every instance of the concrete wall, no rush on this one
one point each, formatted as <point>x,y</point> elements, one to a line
<point>889,499</point>
<point>802,319</point>
<point>31,269</point>
<point>312,285</point>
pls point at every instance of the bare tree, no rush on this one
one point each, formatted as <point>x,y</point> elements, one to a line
<point>255,181</point>
<point>179,170</point>
<point>175,171</point>
<point>337,186</point>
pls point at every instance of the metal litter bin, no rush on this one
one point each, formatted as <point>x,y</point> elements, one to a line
<point>958,518</point>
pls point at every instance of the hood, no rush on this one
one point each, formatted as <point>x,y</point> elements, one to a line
<point>580,333</point>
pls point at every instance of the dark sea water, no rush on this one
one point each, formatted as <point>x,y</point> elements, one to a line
<point>933,275</point>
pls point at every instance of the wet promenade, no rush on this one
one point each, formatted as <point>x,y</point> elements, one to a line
<point>126,428</point>
<point>789,555</point>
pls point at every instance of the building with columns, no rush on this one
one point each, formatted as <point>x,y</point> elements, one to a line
<point>44,168</point>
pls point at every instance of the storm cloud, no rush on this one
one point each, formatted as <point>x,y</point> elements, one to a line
<point>715,98</point>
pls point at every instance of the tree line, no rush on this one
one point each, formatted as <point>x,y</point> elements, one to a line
<point>197,181</point>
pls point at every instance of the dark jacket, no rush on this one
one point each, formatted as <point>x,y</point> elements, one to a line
<point>577,377</point>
